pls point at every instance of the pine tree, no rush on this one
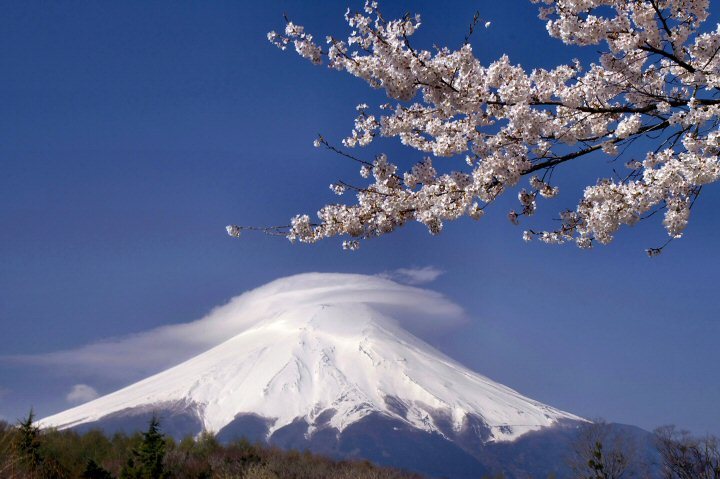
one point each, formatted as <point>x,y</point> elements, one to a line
<point>147,459</point>
<point>94,471</point>
<point>27,442</point>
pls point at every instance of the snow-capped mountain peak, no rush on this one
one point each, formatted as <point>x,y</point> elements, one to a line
<point>329,365</point>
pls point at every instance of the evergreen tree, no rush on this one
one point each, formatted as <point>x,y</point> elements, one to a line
<point>94,471</point>
<point>27,442</point>
<point>146,461</point>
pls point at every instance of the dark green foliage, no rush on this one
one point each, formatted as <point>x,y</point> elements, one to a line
<point>94,471</point>
<point>67,454</point>
<point>29,458</point>
<point>27,443</point>
<point>147,461</point>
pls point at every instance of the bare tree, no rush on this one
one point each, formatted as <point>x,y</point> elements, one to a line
<point>687,457</point>
<point>602,452</point>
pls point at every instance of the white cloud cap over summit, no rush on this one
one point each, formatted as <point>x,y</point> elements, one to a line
<point>134,356</point>
<point>324,352</point>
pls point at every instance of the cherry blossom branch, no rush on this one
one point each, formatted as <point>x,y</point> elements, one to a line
<point>509,123</point>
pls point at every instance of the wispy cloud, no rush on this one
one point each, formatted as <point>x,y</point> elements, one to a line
<point>413,276</point>
<point>81,393</point>
<point>129,358</point>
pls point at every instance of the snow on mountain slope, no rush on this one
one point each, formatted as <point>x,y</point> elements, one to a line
<point>346,359</point>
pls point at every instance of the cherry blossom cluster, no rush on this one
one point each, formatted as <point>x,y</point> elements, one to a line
<point>482,128</point>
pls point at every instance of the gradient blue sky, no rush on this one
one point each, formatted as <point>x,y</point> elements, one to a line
<point>133,132</point>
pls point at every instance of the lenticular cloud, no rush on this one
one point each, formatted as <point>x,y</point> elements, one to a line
<point>130,357</point>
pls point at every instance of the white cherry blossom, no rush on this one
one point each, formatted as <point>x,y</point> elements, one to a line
<point>480,128</point>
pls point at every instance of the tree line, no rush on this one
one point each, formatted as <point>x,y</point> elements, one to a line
<point>599,451</point>
<point>26,452</point>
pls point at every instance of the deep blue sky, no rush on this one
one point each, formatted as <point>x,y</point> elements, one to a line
<point>133,132</point>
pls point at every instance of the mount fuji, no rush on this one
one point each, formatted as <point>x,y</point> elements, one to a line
<point>335,373</point>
